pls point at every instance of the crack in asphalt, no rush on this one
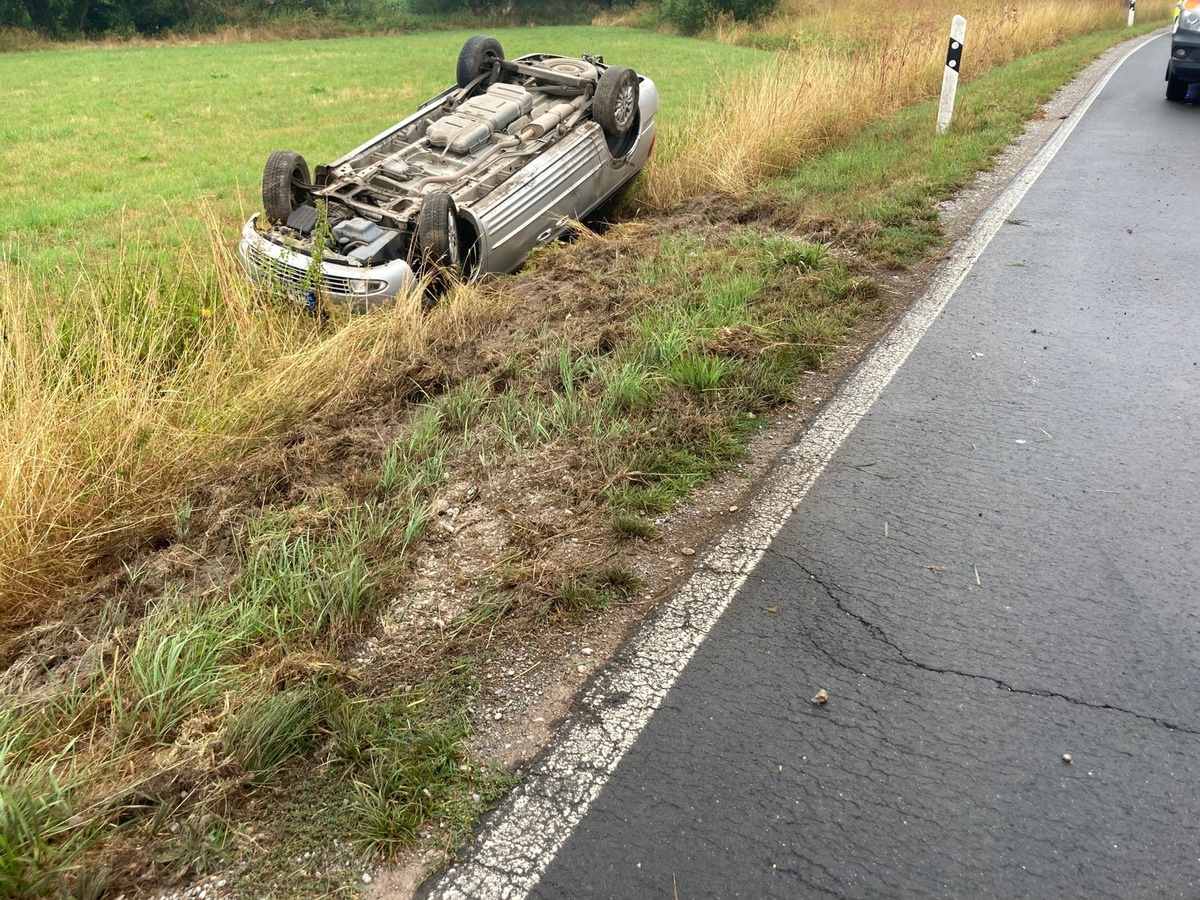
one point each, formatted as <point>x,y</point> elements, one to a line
<point>880,635</point>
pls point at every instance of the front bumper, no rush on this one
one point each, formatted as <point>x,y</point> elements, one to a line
<point>355,288</point>
<point>1185,67</point>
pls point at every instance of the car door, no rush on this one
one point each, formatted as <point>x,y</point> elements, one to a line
<point>535,205</point>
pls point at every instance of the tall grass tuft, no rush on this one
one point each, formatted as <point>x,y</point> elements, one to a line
<point>269,732</point>
<point>176,667</point>
<point>38,840</point>
<point>123,391</point>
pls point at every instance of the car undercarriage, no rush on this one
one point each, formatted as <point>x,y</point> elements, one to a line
<point>531,142</point>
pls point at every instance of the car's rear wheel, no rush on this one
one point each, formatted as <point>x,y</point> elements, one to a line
<point>615,105</point>
<point>478,55</point>
<point>438,243</point>
<point>1177,89</point>
<point>284,185</point>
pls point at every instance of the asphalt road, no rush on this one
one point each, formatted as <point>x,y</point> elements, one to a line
<point>998,568</point>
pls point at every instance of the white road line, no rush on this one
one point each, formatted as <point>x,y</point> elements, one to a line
<point>524,836</point>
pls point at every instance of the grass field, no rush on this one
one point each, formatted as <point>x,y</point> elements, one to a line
<point>140,364</point>
<point>100,143</point>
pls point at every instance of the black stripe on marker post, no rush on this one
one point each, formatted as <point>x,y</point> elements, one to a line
<point>954,55</point>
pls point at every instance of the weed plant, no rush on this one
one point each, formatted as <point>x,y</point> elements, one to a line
<point>271,731</point>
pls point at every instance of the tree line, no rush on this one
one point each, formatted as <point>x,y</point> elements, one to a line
<point>68,18</point>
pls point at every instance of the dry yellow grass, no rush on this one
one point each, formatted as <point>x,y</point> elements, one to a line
<point>845,65</point>
<point>115,404</point>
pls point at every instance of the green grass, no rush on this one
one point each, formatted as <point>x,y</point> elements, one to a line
<point>578,596</point>
<point>627,525</point>
<point>393,764</point>
<point>36,840</point>
<point>271,731</point>
<point>177,667</point>
<point>295,590</point>
<point>417,461</point>
<point>101,142</point>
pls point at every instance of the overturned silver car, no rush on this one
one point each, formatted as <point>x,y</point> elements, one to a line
<point>473,181</point>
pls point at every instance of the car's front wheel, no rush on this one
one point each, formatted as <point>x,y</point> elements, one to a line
<point>615,104</point>
<point>1177,89</point>
<point>284,185</point>
<point>438,243</point>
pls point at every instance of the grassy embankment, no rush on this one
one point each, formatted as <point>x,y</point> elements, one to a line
<point>128,382</point>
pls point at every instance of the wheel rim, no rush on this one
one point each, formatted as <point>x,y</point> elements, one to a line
<point>626,103</point>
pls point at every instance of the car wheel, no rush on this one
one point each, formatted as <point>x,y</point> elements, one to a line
<point>284,185</point>
<point>1177,89</point>
<point>438,241</point>
<point>615,105</point>
<point>477,55</point>
<point>565,65</point>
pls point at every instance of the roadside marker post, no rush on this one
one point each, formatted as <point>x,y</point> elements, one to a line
<point>958,31</point>
<point>1132,3</point>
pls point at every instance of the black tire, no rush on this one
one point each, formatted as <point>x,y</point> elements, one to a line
<point>1177,89</point>
<point>438,243</point>
<point>615,105</point>
<point>283,176</point>
<point>477,55</point>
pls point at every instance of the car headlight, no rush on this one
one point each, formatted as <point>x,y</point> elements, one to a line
<point>362,286</point>
<point>1189,19</point>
